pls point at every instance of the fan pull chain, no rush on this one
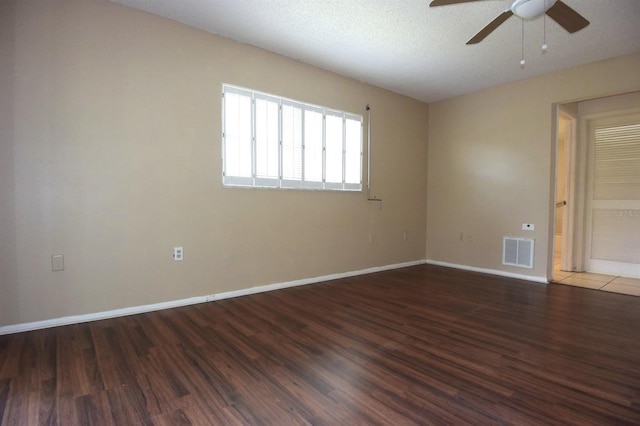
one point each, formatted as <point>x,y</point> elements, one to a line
<point>544,30</point>
<point>522,61</point>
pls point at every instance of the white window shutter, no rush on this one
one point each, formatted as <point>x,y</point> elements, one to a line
<point>267,120</point>
<point>291,142</point>
<point>313,161</point>
<point>617,163</point>
<point>353,150</point>
<point>333,148</point>
<point>238,155</point>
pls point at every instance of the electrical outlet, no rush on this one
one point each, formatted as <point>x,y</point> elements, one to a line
<point>527,227</point>
<point>178,253</point>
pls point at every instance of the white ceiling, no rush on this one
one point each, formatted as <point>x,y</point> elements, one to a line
<point>406,46</point>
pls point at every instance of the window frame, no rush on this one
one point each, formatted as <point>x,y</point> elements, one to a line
<point>280,182</point>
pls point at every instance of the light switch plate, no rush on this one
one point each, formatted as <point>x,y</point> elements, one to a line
<point>57,262</point>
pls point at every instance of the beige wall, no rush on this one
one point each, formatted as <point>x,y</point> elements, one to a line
<point>490,162</point>
<point>111,156</point>
<point>8,271</point>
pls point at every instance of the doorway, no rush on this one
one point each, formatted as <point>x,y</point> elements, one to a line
<point>563,263</point>
<point>596,225</point>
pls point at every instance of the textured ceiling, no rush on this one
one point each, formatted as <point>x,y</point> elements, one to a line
<point>406,46</point>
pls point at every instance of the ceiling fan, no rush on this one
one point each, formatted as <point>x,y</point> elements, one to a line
<point>564,15</point>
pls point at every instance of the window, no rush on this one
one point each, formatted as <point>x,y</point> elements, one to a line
<point>272,142</point>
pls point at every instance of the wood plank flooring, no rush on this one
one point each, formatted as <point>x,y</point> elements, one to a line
<point>421,345</point>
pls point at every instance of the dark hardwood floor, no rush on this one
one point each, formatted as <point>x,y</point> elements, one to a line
<point>421,345</point>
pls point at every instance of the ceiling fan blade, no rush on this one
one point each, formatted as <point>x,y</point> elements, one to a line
<point>447,2</point>
<point>568,18</point>
<point>492,26</point>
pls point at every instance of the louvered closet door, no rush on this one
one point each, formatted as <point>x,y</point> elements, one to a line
<point>613,202</point>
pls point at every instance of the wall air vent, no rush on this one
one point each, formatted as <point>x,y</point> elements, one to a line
<point>517,252</point>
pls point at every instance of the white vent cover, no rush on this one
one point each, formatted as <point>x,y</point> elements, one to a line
<point>517,252</point>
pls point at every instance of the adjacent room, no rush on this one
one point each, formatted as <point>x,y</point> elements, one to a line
<point>319,212</point>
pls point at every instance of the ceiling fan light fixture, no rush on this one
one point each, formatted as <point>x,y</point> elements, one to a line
<point>531,9</point>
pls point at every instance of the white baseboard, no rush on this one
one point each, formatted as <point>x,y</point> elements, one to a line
<point>77,319</point>
<point>489,271</point>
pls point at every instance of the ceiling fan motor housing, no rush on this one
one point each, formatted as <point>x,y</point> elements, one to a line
<point>531,9</point>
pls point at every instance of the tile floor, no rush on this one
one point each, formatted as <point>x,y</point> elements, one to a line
<point>612,283</point>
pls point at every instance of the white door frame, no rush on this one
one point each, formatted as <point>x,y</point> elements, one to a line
<point>568,256</point>
<point>568,213</point>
